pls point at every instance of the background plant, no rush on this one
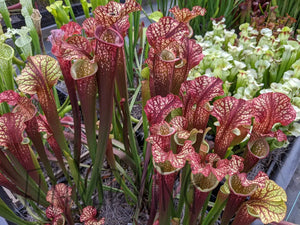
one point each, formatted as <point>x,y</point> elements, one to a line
<point>228,9</point>
<point>177,133</point>
<point>249,65</point>
<point>270,13</point>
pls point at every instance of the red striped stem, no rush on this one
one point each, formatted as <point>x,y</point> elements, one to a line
<point>83,72</point>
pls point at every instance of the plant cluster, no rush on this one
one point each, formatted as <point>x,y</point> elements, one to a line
<point>180,168</point>
<point>178,126</point>
<point>269,14</point>
<point>215,9</point>
<point>249,65</point>
<point>259,13</point>
<point>79,59</point>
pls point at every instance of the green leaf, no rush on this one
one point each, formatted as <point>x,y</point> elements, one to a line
<point>156,16</point>
<point>6,69</point>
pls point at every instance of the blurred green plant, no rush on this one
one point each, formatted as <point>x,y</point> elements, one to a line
<point>292,8</point>
<point>214,9</point>
<point>270,13</point>
<point>60,13</point>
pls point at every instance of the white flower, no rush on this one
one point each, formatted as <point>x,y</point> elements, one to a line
<point>297,112</point>
<point>233,48</point>
<point>293,83</point>
<point>209,34</point>
<point>229,33</point>
<point>209,73</point>
<point>288,75</point>
<point>215,23</point>
<point>267,90</point>
<point>294,129</point>
<point>266,32</point>
<point>239,65</point>
<point>199,38</point>
<point>218,39</point>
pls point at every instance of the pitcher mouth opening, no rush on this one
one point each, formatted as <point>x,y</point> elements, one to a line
<point>203,183</point>
<point>83,68</point>
<point>168,56</point>
<point>180,63</point>
<point>109,36</point>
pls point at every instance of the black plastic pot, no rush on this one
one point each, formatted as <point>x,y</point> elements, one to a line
<point>8,202</point>
<point>47,18</point>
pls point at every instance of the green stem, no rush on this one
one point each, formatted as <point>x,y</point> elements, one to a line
<point>49,108</point>
<point>185,177</point>
<point>5,14</point>
<point>143,179</point>
<point>127,126</point>
<point>38,143</point>
<point>67,109</point>
<point>64,105</point>
<point>130,55</point>
<point>85,8</point>
<point>214,213</point>
<point>112,162</point>
<point>76,176</point>
<point>34,210</point>
<point>18,62</point>
<point>33,34</point>
<point>71,10</point>
<point>56,98</point>
<point>204,208</point>
<point>29,186</point>
<point>106,93</point>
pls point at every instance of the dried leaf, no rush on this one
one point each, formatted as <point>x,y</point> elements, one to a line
<point>185,15</point>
